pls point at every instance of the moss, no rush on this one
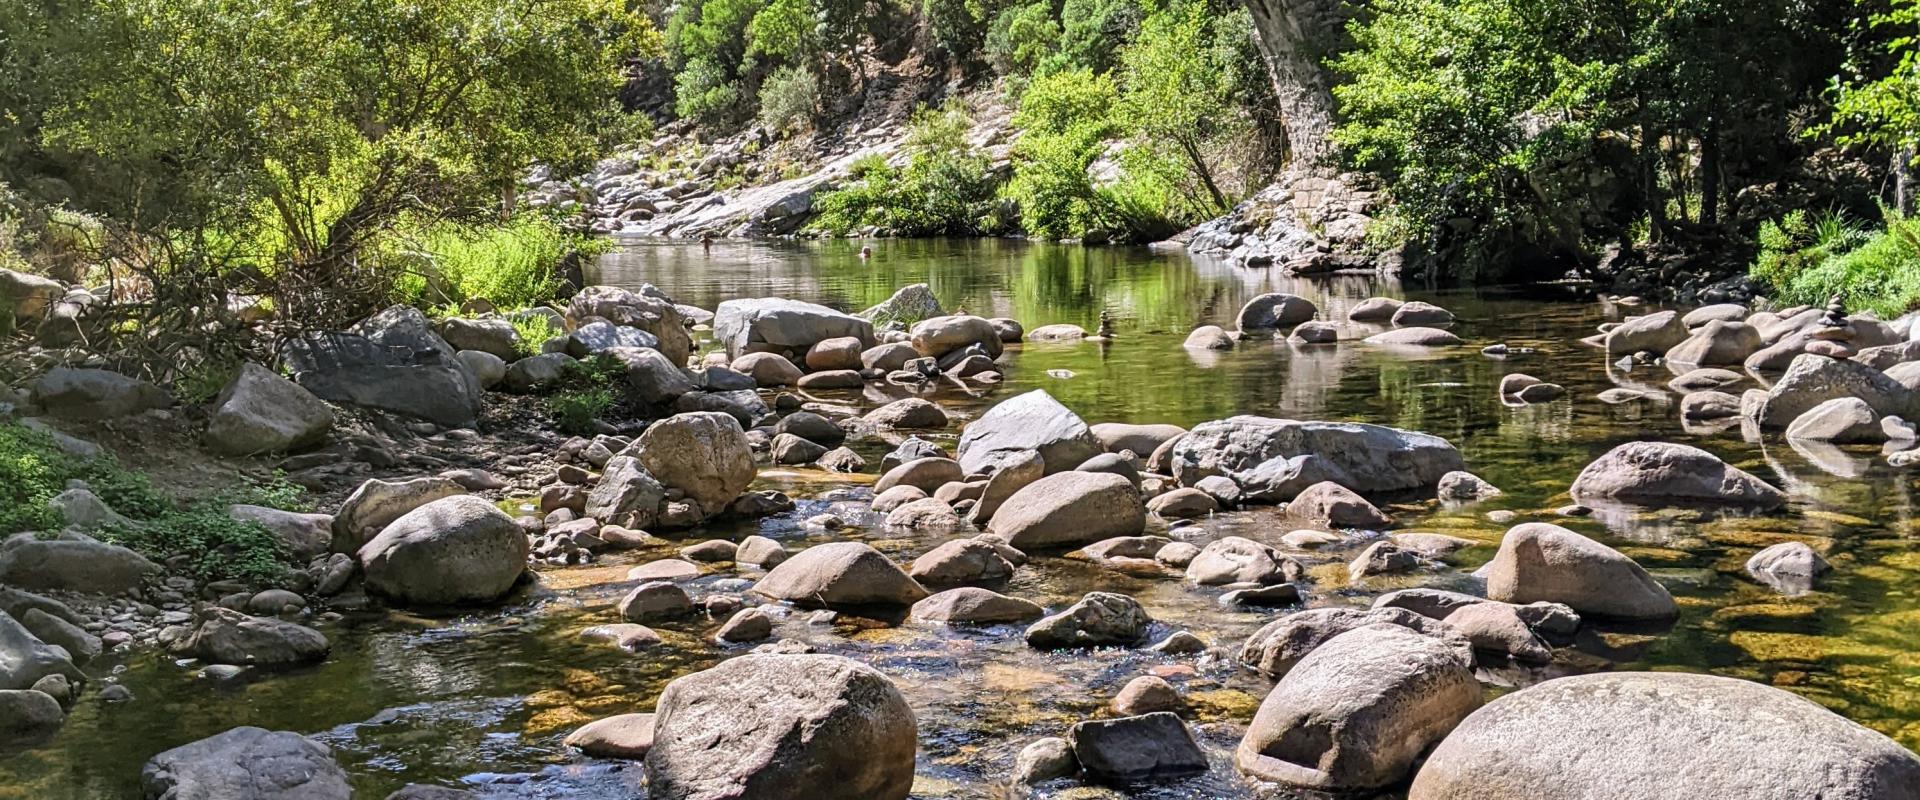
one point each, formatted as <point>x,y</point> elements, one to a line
<point>1804,648</point>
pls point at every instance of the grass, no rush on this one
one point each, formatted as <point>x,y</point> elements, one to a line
<point>513,264</point>
<point>1807,259</point>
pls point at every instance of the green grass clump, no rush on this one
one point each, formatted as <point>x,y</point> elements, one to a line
<point>1807,259</point>
<point>513,264</point>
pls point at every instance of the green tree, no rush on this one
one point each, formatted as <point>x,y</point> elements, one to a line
<point>1177,93</point>
<point>1021,37</point>
<point>1065,119</point>
<point>1878,97</point>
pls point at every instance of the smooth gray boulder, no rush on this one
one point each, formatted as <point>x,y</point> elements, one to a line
<point>939,336</point>
<point>377,503</point>
<point>1657,333</point>
<point>1813,379</point>
<point>1374,309</point>
<point>1717,343</point>
<point>537,372</point>
<point>261,412</point>
<point>225,636</point>
<point>1116,437</point>
<point>1274,311</point>
<point>1842,420</point>
<point>972,604</point>
<point>452,551</point>
<point>303,535</point>
<point>494,336</point>
<point>1234,559</point>
<point>1331,504</point>
<point>646,310</point>
<point>71,561</point>
<point>627,736</point>
<point>1415,337</point>
<point>840,575</point>
<point>1070,508</point>
<point>768,369</point>
<point>1416,312</point>
<point>1662,735</point>
<point>85,393</point>
<point>908,304</point>
<point>1372,458</point>
<point>773,727</point>
<point>1148,747</point>
<point>772,324</point>
<point>627,494</point>
<point>651,378</point>
<point>1542,562</point>
<point>25,659</point>
<point>1355,713</point>
<point>1029,422</point>
<point>28,717</point>
<point>1660,474</point>
<point>487,368</point>
<point>1276,647</point>
<point>246,763</point>
<point>704,454</point>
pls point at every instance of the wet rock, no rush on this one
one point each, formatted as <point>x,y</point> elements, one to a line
<point>841,352</point>
<point>768,369</point>
<point>225,636</point>
<point>925,474</point>
<point>1070,508</point>
<point>1274,311</point>
<point>1415,337</point>
<point>1125,547</point>
<point>1659,474</point>
<point>1099,619</point>
<point>1415,312</point>
<point>1331,504</point>
<point>1708,405</point>
<point>908,414</point>
<point>261,412</point>
<point>1356,712</point>
<point>895,497</point>
<point>627,736</point>
<point>1029,422</point>
<point>1208,337</point>
<point>28,716</point>
<point>746,625</point>
<point>843,460</point>
<point>1233,559</point>
<point>928,513</point>
<point>760,551</point>
<point>451,551</point>
<point>1179,643</point>
<point>1704,379</point>
<point>655,600</point>
<point>1015,472</point>
<point>939,336</point>
<point>840,574</point>
<point>70,561</point>
<point>1382,558</point>
<point>913,449</point>
<point>79,393</point>
<point>711,550</point>
<point>1841,420</point>
<point>961,561</point>
<point>1279,594</point>
<point>1043,760</point>
<point>1368,458</point>
<point>888,357</point>
<point>1718,343</point>
<point>1497,628</point>
<point>1662,734</point>
<point>1461,486</point>
<point>80,645</point>
<point>1150,747</point>
<point>787,448</point>
<point>1812,380</point>
<point>1542,562</point>
<point>971,604</point>
<point>1374,309</point>
<point>770,727</point>
<point>1314,333</point>
<point>1431,545</point>
<point>1789,567</point>
<point>1279,645</point>
<point>627,636</point>
<point>1657,332</point>
<point>246,763</point>
<point>773,324</point>
<point>1178,555</point>
<point>704,454</point>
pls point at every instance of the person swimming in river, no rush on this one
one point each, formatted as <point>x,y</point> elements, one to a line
<point>866,252</point>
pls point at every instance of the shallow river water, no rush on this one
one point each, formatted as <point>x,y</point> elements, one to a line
<point>483,700</point>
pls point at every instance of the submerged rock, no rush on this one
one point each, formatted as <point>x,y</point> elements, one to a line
<point>225,636</point>
<point>1149,747</point>
<point>246,764</point>
<point>1100,619</point>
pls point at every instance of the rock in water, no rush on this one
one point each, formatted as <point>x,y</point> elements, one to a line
<point>618,736</point>
<point>1660,735</point>
<point>1659,474</point>
<point>1030,422</point>
<point>774,727</point>
<point>246,764</point>
<point>909,304</point>
<point>25,659</point>
<point>1812,379</point>
<point>1100,619</point>
<point>1279,645</point>
<point>28,717</point>
<point>1274,311</point>
<point>840,574</point>
<point>1356,712</point>
<point>971,604</point>
<point>1657,332</point>
<point>1148,747</point>
<point>1542,562</point>
<point>702,453</point>
<point>224,636</point>
<point>1070,508</point>
<point>1369,458</point>
<point>451,551</point>
<point>1842,420</point>
<point>261,412</point>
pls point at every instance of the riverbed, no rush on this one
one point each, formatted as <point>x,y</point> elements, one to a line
<point>483,700</point>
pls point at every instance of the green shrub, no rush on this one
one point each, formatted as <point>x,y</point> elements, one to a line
<point>1021,37</point>
<point>945,189</point>
<point>215,545</point>
<point>515,263</point>
<point>576,410</point>
<point>1808,260</point>
<point>534,330</point>
<point>789,99</point>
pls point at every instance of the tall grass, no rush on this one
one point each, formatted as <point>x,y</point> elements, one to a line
<point>1807,259</point>
<point>513,264</point>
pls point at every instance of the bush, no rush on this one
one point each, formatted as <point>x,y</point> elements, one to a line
<point>1808,260</point>
<point>1065,119</point>
<point>513,264</point>
<point>576,410</point>
<point>945,189</point>
<point>1021,37</point>
<point>789,99</point>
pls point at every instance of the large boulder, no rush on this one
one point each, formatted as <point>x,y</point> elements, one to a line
<point>1717,343</point>
<point>377,503</point>
<point>1813,379</point>
<point>1099,619</point>
<point>908,304</point>
<point>1274,311</point>
<point>649,312</point>
<point>1276,647</point>
<point>1070,508</point>
<point>25,658</point>
<point>772,324</point>
<point>1542,562</point>
<point>82,393</point>
<point>704,454</point>
<point>494,336</point>
<point>451,551</point>
<point>1355,713</point>
<point>840,575</point>
<point>1234,559</point>
<point>939,336</point>
<point>408,372</point>
<point>1329,503</point>
<point>1659,735</point>
<point>261,412</point>
<point>246,764</point>
<point>771,727</point>
<point>71,562</point>
<point>1030,422</point>
<point>651,377</point>
<point>1371,458</point>
<point>225,636</point>
<point>1842,420</point>
<point>1657,332</point>
<point>1659,474</point>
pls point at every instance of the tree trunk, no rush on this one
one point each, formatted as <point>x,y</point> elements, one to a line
<point>1903,180</point>
<point>1710,174</point>
<point>1296,37</point>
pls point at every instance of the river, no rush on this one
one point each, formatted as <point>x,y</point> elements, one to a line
<point>484,699</point>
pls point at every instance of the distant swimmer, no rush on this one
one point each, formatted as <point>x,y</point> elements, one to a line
<point>866,252</point>
<point>706,241</point>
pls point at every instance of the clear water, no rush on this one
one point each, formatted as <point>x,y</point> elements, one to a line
<point>483,700</point>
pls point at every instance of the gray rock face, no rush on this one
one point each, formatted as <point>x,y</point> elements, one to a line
<point>1044,760</point>
<point>770,727</point>
<point>1279,645</point>
<point>377,503</point>
<point>925,474</point>
<point>704,454</point>
<point>304,535</point>
<point>1269,312</point>
<point>972,604</point>
<point>261,412</point>
<point>1718,343</point>
<point>1329,503</point>
<point>1099,619</point>
<point>1030,422</point>
<point>1357,711</point>
<point>600,336</point>
<point>1148,747</point>
<point>1811,380</point>
<point>70,562</point>
<point>1842,420</point>
<point>619,736</point>
<point>1658,735</point>
<point>773,324</point>
<point>246,764</point>
<point>1659,474</point>
<point>1372,458</point>
<point>403,370</point>
<point>1542,562</point>
<point>1657,332</point>
<point>655,315</point>
<point>627,494</point>
<point>840,574</point>
<point>908,414</point>
<point>1461,486</point>
<point>25,659</point>
<point>95,394</point>
<point>1015,473</point>
<point>451,551</point>
<point>1070,508</point>
<point>224,636</point>
<point>1708,405</point>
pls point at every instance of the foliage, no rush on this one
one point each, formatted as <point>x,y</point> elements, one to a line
<point>1091,32</point>
<point>943,190</point>
<point>1878,103</point>
<point>1177,96</point>
<point>1021,37</point>
<point>515,263</point>
<point>575,411</point>
<point>532,330</point>
<point>789,99</point>
<point>1808,259</point>
<point>1065,119</point>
